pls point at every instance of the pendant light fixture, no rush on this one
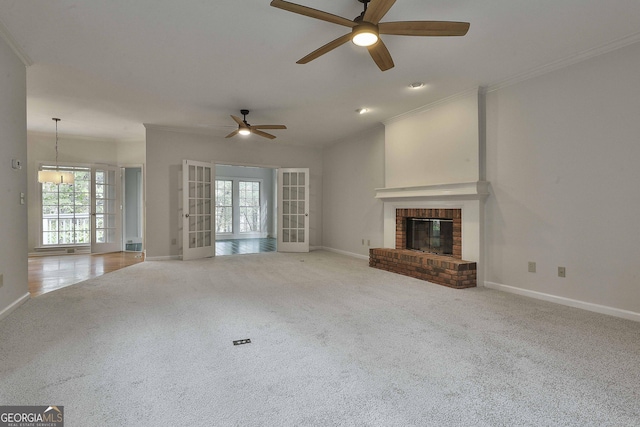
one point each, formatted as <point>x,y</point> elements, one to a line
<point>55,176</point>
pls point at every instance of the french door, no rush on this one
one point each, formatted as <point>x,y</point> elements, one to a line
<point>106,210</point>
<point>293,210</point>
<point>198,232</point>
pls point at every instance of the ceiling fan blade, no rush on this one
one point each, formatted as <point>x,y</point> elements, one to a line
<point>264,134</point>
<point>268,127</point>
<point>325,49</point>
<point>238,120</point>
<point>234,133</point>
<point>313,13</point>
<point>424,28</point>
<point>381,56</point>
<point>377,9</point>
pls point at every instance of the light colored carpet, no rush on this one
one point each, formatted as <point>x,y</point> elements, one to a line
<point>334,342</point>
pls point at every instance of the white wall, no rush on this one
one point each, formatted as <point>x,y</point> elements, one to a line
<point>353,169</point>
<point>165,151</point>
<point>437,146</point>
<point>562,159</point>
<point>267,196</point>
<point>71,150</point>
<point>130,152</point>
<point>13,145</point>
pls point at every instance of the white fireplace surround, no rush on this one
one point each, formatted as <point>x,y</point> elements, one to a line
<point>467,196</point>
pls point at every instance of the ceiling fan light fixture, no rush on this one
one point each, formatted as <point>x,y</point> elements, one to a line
<point>244,131</point>
<point>364,34</point>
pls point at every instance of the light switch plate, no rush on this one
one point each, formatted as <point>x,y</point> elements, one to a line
<point>562,272</point>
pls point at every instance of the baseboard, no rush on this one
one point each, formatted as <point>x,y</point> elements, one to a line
<point>602,309</point>
<point>17,303</point>
<point>163,258</point>
<point>341,252</point>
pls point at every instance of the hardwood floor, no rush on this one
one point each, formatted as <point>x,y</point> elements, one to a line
<point>48,273</point>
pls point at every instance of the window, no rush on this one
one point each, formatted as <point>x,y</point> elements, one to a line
<point>249,196</point>
<point>224,206</point>
<point>66,208</point>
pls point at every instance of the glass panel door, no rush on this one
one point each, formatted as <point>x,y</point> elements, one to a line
<point>293,210</point>
<point>106,215</point>
<point>198,232</point>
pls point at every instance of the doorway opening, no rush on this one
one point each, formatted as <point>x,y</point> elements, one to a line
<point>132,209</point>
<point>245,209</point>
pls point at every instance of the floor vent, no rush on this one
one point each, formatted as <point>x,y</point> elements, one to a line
<point>240,342</point>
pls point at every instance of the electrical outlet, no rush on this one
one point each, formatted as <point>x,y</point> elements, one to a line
<point>562,272</point>
<point>368,242</point>
<point>532,267</point>
<point>363,241</point>
<point>174,241</point>
<point>1,280</point>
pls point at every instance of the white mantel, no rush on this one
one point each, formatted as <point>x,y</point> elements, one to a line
<point>467,196</point>
<point>476,190</point>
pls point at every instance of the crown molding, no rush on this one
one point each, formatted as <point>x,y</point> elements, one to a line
<point>20,53</point>
<point>565,62</point>
<point>427,107</point>
<point>73,137</point>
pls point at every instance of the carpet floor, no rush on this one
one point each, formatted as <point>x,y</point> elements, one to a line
<point>333,343</point>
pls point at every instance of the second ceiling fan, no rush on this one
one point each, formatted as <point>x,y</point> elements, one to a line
<point>366,28</point>
<point>245,128</point>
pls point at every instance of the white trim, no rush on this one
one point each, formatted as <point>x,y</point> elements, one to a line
<point>20,53</point>
<point>17,303</point>
<point>602,309</point>
<point>472,190</point>
<point>341,252</point>
<point>565,62</point>
<point>163,258</point>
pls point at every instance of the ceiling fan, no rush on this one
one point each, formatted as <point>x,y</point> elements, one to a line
<point>245,128</point>
<point>366,28</point>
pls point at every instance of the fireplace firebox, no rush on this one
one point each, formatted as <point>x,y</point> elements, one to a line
<point>433,235</point>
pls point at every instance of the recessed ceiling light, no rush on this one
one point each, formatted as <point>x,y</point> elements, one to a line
<point>416,85</point>
<point>362,110</point>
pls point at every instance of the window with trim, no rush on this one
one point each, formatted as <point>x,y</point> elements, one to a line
<point>224,206</point>
<point>66,208</point>
<point>249,206</point>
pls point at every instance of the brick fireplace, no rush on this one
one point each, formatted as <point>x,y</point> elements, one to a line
<point>453,214</point>
<point>462,203</point>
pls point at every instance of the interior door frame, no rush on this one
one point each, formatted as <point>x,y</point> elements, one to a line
<point>143,205</point>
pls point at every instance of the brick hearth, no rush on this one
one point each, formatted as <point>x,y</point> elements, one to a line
<point>440,269</point>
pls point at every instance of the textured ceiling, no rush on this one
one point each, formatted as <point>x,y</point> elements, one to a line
<point>106,67</point>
